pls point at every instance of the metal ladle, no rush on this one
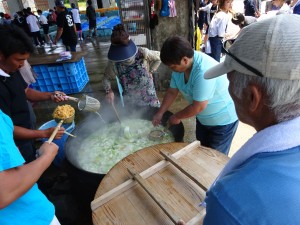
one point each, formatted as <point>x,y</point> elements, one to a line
<point>158,134</point>
<point>85,102</point>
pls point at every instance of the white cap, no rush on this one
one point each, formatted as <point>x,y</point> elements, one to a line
<point>271,46</point>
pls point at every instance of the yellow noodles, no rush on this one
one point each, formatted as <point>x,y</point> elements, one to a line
<point>63,112</point>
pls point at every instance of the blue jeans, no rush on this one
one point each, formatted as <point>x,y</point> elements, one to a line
<point>216,47</point>
<point>216,137</point>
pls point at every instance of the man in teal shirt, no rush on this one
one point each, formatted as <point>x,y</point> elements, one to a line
<point>209,100</point>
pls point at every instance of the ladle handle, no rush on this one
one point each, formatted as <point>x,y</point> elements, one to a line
<point>68,97</point>
<point>113,105</point>
<point>55,131</point>
<point>72,99</point>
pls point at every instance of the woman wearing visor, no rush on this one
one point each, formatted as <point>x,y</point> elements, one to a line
<point>132,67</point>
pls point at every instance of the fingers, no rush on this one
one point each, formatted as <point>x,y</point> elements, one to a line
<point>180,222</point>
<point>47,149</point>
<point>59,96</point>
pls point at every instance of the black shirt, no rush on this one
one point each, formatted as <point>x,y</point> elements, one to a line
<point>65,20</point>
<point>13,103</point>
<point>90,13</point>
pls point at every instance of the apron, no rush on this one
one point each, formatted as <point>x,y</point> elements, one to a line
<point>137,85</point>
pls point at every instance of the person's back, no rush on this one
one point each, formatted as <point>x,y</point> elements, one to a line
<point>250,7</point>
<point>90,12</point>
<point>264,180</point>
<point>260,182</point>
<point>76,16</point>
<point>33,23</point>
<point>65,22</point>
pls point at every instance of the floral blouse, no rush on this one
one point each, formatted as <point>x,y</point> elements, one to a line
<point>136,79</point>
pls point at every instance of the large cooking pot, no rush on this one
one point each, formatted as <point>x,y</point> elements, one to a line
<point>85,183</point>
<point>85,128</point>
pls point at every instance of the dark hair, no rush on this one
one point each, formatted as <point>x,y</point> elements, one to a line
<point>119,35</point>
<point>39,11</point>
<point>89,2</point>
<point>174,49</point>
<point>14,40</point>
<point>238,18</point>
<point>73,5</point>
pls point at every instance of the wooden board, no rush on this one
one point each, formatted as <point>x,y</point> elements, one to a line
<point>128,203</point>
<point>46,59</point>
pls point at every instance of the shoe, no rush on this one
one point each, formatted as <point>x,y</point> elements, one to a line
<point>88,36</point>
<point>94,35</point>
<point>80,39</point>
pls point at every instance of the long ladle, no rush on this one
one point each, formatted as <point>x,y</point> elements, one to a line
<point>116,112</point>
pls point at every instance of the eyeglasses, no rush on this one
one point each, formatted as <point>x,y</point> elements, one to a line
<point>226,45</point>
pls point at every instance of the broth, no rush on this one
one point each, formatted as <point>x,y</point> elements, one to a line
<point>103,148</point>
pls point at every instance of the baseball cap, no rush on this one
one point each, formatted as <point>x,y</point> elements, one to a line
<point>59,3</point>
<point>270,46</point>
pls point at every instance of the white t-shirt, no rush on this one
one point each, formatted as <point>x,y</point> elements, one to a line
<point>218,24</point>
<point>43,19</point>
<point>33,23</point>
<point>76,16</point>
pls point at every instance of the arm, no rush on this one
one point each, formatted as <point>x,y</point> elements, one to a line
<point>205,8</point>
<point>166,103</point>
<point>187,112</point>
<point>58,34</point>
<point>35,96</point>
<point>109,74</point>
<point>153,59</point>
<point>27,134</point>
<point>20,179</point>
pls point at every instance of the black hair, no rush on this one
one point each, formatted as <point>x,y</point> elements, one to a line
<point>14,40</point>
<point>73,5</point>
<point>89,2</point>
<point>174,49</point>
<point>39,11</point>
<point>238,18</point>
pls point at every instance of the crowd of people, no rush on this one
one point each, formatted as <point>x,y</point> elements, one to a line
<point>32,24</point>
<point>214,17</point>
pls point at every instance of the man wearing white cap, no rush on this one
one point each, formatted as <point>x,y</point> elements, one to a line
<point>260,184</point>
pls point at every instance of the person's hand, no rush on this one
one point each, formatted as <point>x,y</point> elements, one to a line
<point>180,222</point>
<point>173,120</point>
<point>151,76</point>
<point>59,134</point>
<point>58,96</point>
<point>156,119</point>
<point>110,96</point>
<point>49,149</point>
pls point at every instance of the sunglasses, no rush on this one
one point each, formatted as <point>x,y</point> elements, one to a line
<point>226,45</point>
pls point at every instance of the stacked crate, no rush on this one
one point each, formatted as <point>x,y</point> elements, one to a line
<point>67,77</point>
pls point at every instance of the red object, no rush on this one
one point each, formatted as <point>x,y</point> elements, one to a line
<point>6,16</point>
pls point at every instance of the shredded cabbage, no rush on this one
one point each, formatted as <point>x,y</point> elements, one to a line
<point>102,149</point>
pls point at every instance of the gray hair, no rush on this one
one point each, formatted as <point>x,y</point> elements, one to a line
<point>283,96</point>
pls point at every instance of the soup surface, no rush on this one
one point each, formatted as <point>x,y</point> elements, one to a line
<point>103,148</point>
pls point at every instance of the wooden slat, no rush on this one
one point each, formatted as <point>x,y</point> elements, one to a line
<point>172,160</point>
<point>145,174</point>
<point>156,197</point>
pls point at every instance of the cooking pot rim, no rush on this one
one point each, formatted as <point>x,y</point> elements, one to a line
<point>177,131</point>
